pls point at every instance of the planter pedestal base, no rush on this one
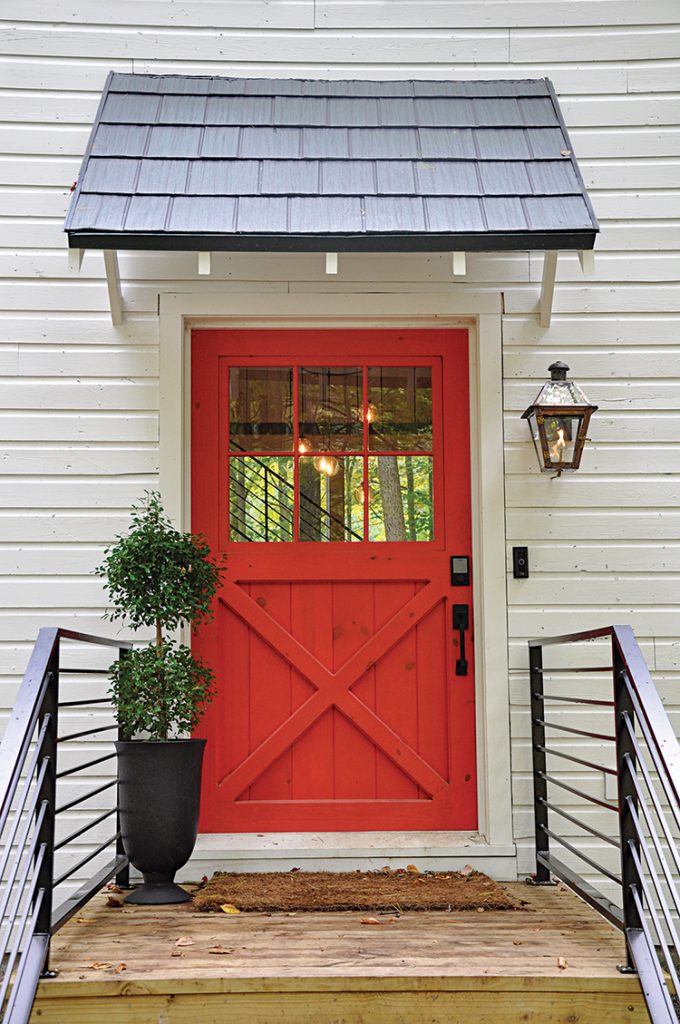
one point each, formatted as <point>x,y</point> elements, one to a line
<point>157,893</point>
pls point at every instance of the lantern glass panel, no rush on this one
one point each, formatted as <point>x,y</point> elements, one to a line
<point>561,434</point>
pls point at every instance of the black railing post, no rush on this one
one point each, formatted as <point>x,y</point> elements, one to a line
<point>625,764</point>
<point>48,796</point>
<point>123,876</point>
<point>539,763</point>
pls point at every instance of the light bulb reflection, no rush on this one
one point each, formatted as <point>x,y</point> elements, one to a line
<point>326,464</point>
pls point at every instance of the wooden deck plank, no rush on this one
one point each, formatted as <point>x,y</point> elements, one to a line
<point>423,967</point>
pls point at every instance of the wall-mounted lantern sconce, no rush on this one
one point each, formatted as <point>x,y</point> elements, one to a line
<point>558,421</point>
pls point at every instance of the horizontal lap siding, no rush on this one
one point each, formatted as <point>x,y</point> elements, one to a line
<point>79,412</point>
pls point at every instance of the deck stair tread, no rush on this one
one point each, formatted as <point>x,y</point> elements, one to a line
<point>510,957</point>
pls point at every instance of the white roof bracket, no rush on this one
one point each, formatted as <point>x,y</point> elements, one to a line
<point>547,288</point>
<point>587,260</point>
<point>75,260</point>
<point>459,265</point>
<point>331,262</point>
<point>113,285</point>
<point>204,264</point>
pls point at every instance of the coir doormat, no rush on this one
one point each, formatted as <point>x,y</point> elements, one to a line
<point>400,890</point>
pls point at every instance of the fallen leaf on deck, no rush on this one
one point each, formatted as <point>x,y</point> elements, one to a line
<point>220,950</point>
<point>96,966</point>
<point>517,942</point>
<point>184,940</point>
<point>176,952</point>
<point>111,901</point>
<point>293,870</point>
<point>120,968</point>
<point>229,908</point>
<point>467,870</point>
<point>85,920</point>
<point>480,910</point>
<point>412,869</point>
<point>562,963</point>
<point>370,920</point>
<point>112,887</point>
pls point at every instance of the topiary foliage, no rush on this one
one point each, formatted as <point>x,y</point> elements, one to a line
<point>159,690</point>
<point>156,576</point>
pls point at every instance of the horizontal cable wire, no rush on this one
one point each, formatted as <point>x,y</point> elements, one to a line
<point>651,790</point>
<point>575,700</point>
<point>581,856</point>
<point>33,862</point>
<point>9,965</point>
<point>652,909</point>
<point>86,732</point>
<point>654,836</point>
<point>19,852</point>
<point>85,828</point>
<point>581,824</point>
<point>86,764</point>
<point>658,970</point>
<point>85,860</point>
<point>87,796</point>
<point>576,732</point>
<point>576,760</point>
<point>577,792</point>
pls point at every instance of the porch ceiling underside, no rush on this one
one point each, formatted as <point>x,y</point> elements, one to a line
<point>204,163</point>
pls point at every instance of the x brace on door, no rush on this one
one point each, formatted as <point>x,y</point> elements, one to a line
<point>332,690</point>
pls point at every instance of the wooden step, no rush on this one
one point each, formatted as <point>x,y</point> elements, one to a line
<point>553,962</point>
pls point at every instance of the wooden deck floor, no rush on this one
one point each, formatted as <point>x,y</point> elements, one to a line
<point>554,961</point>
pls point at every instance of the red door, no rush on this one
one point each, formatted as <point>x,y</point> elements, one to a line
<point>331,469</point>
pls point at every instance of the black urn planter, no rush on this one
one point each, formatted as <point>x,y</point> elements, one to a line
<point>159,800</point>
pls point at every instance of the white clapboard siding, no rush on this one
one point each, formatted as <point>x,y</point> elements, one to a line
<point>79,408</point>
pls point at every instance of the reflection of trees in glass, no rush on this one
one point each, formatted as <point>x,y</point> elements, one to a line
<point>402,398</point>
<point>406,512</point>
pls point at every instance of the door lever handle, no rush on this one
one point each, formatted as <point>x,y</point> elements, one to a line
<point>461,622</point>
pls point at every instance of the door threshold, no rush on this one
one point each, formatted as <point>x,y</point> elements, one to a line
<point>349,851</point>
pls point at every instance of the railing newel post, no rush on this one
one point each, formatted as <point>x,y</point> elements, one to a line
<point>539,763</point>
<point>123,876</point>
<point>48,796</point>
<point>624,712</point>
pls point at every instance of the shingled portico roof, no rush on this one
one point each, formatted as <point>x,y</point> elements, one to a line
<point>198,163</point>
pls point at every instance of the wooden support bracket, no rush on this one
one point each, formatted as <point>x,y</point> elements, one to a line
<point>547,288</point>
<point>204,263</point>
<point>113,285</point>
<point>331,262</point>
<point>459,264</point>
<point>587,260</point>
<point>75,260</point>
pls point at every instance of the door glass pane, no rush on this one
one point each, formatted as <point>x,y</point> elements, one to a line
<point>331,498</point>
<point>261,408</point>
<point>400,498</point>
<point>330,408</point>
<point>399,409</point>
<point>261,505</point>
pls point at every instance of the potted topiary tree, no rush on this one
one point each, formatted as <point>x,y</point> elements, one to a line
<point>157,577</point>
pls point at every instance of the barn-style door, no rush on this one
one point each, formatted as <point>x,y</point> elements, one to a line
<point>331,469</point>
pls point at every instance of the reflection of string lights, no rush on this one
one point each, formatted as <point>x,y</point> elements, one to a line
<point>304,446</point>
<point>358,494</point>
<point>371,413</point>
<point>326,464</point>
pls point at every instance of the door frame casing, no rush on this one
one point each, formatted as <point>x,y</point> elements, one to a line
<point>480,314</point>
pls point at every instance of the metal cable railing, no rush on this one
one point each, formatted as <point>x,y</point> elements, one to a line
<point>29,913</point>
<point>644,816</point>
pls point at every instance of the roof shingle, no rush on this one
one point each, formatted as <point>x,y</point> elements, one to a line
<point>350,164</point>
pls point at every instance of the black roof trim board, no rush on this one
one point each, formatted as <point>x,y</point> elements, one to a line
<point>196,163</point>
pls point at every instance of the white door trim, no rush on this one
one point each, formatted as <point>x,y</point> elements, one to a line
<point>480,313</point>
